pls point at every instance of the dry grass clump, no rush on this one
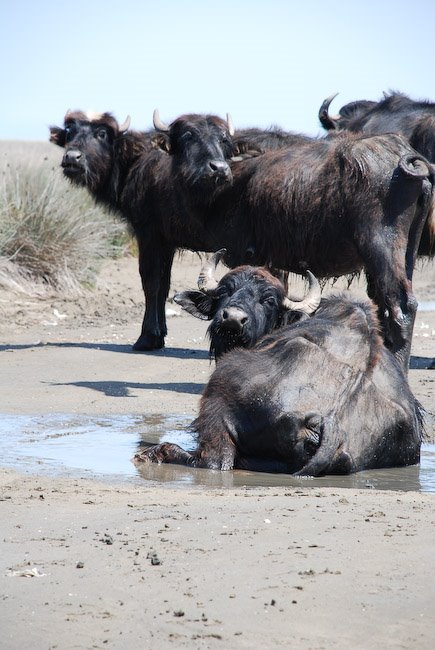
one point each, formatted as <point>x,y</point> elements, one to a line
<point>52,236</point>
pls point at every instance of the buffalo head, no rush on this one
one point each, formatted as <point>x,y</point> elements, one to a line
<point>245,304</point>
<point>88,140</point>
<point>201,149</point>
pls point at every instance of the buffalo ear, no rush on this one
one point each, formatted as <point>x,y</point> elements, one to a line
<point>244,149</point>
<point>197,303</point>
<point>161,141</point>
<point>57,135</point>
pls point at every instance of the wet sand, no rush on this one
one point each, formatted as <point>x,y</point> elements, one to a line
<point>92,564</point>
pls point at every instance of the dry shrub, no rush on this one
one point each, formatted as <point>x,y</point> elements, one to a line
<point>51,234</point>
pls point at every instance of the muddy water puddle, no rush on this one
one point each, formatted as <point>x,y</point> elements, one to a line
<point>102,447</point>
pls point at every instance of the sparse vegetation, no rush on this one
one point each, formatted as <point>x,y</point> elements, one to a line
<point>52,236</point>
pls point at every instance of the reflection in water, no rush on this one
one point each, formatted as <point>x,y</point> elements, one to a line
<point>104,447</point>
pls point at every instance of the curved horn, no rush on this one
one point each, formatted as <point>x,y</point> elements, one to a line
<point>230,124</point>
<point>125,125</point>
<point>206,279</point>
<point>310,301</point>
<point>158,124</point>
<point>329,123</point>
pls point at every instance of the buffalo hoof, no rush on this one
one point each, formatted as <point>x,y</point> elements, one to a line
<point>146,456</point>
<point>166,452</point>
<point>157,454</point>
<point>147,342</point>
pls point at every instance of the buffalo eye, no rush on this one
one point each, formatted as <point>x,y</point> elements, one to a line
<point>270,301</point>
<point>187,135</point>
<point>102,134</point>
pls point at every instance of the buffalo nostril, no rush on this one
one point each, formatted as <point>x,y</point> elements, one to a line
<point>234,318</point>
<point>219,166</point>
<point>73,156</point>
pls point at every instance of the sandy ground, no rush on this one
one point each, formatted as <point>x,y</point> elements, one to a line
<point>91,564</point>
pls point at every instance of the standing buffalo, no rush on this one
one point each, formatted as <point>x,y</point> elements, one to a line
<point>154,192</point>
<point>162,182</point>
<point>335,206</point>
<point>395,113</point>
<point>320,396</point>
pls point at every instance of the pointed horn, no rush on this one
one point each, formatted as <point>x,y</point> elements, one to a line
<point>206,279</point>
<point>329,123</point>
<point>125,125</point>
<point>230,124</point>
<point>158,124</point>
<point>310,301</point>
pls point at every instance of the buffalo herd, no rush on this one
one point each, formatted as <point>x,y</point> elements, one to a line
<point>311,386</point>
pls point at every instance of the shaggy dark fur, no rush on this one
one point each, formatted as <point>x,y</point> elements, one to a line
<point>246,304</point>
<point>322,396</point>
<point>395,113</point>
<point>334,206</point>
<point>155,182</point>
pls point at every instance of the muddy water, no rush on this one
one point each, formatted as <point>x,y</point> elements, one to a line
<point>103,447</point>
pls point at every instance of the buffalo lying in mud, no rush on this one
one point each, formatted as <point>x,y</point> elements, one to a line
<point>319,396</point>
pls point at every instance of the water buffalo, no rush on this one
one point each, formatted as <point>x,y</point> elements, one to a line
<point>337,207</point>
<point>319,396</point>
<point>247,303</point>
<point>395,113</point>
<point>131,174</point>
<point>161,182</point>
<point>352,111</point>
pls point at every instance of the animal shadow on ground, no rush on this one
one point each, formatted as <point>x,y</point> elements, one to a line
<point>124,348</point>
<point>422,363</point>
<point>122,388</point>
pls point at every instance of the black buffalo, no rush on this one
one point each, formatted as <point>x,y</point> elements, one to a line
<point>132,174</point>
<point>346,114</point>
<point>395,113</point>
<point>162,182</point>
<point>319,396</point>
<point>247,303</point>
<point>261,140</point>
<point>337,207</point>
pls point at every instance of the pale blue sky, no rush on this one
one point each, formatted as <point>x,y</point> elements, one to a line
<point>268,62</point>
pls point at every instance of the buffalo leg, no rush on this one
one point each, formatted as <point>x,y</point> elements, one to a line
<point>165,282</point>
<point>155,270</point>
<point>331,456</point>
<point>389,251</point>
<point>396,310</point>
<point>214,451</point>
<point>393,251</point>
<point>221,458</point>
<point>389,285</point>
